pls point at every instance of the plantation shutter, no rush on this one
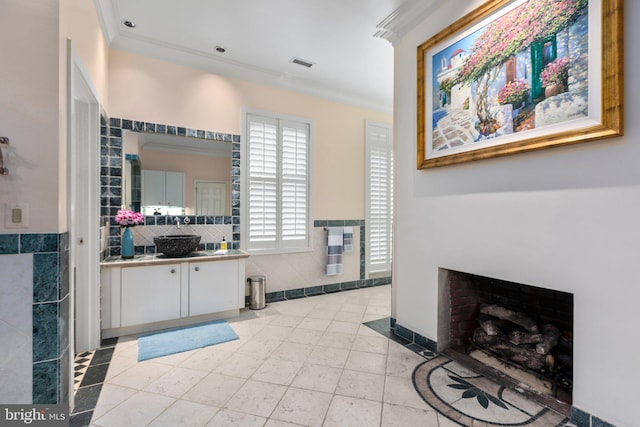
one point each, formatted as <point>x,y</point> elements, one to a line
<point>379,197</point>
<point>278,183</point>
<point>263,173</point>
<point>295,183</point>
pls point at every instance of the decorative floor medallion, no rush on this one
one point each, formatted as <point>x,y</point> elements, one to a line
<point>473,400</point>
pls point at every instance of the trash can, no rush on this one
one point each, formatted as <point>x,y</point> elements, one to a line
<point>257,286</point>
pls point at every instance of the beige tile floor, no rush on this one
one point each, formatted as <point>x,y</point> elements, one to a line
<point>306,362</point>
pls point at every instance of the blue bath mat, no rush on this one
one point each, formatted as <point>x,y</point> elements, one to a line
<point>184,339</point>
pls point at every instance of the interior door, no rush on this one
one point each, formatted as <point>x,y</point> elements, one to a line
<point>211,198</point>
<point>83,208</point>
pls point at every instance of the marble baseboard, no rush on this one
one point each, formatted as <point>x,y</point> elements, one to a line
<point>325,289</point>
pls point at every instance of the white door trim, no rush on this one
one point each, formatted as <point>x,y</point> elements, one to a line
<point>83,198</point>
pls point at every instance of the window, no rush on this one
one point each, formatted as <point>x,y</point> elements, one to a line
<point>379,182</point>
<point>277,183</point>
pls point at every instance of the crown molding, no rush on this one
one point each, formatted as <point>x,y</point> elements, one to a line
<point>404,19</point>
<point>238,70</point>
<point>130,42</point>
<point>108,19</point>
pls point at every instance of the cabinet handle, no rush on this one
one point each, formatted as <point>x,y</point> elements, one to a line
<point>197,269</point>
<point>173,271</point>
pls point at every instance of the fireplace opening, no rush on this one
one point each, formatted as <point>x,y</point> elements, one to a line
<point>517,334</point>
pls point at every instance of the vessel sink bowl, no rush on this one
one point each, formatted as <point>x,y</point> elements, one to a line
<point>176,245</point>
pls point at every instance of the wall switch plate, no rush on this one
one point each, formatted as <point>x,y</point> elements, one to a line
<point>16,215</point>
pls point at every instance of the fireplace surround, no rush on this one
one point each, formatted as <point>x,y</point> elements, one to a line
<point>461,296</point>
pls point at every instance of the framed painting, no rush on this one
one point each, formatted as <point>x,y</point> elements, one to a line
<point>520,75</point>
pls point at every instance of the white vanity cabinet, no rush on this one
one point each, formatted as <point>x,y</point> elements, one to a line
<point>208,289</point>
<point>150,293</point>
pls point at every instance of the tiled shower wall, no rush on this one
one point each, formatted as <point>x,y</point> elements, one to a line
<point>111,163</point>
<point>38,276</point>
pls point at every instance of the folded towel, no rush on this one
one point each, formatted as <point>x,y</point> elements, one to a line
<point>347,239</point>
<point>334,250</point>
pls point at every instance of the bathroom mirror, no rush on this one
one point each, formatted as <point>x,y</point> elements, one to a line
<point>204,166</point>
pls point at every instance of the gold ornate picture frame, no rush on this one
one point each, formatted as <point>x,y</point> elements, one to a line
<point>516,76</point>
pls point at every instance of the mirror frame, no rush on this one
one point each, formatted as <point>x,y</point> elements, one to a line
<point>112,163</point>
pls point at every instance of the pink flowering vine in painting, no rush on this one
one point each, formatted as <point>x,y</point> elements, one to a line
<point>507,36</point>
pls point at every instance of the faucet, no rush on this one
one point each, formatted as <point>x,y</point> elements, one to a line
<point>185,220</point>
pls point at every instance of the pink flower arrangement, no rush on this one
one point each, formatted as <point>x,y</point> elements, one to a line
<point>129,218</point>
<point>555,72</point>
<point>514,92</point>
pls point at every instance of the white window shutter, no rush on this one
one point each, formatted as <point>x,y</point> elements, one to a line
<point>262,177</point>
<point>379,148</point>
<point>278,183</point>
<point>295,183</point>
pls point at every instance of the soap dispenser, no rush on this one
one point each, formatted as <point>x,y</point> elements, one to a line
<point>223,244</point>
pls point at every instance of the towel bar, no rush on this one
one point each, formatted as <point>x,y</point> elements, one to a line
<point>3,170</point>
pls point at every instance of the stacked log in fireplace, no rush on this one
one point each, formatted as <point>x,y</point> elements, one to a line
<point>518,338</point>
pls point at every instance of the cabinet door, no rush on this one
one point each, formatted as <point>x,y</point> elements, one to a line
<point>175,188</point>
<point>213,287</point>
<point>153,188</point>
<point>150,294</point>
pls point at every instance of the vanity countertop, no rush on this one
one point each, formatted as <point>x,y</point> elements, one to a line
<point>151,259</point>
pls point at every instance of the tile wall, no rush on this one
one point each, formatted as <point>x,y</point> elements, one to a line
<point>39,271</point>
<point>211,229</point>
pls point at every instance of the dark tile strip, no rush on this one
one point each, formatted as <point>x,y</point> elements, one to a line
<point>324,289</point>
<point>88,393</point>
<point>414,337</point>
<point>384,327</point>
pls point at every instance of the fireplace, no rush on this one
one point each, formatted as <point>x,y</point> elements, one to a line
<point>516,333</point>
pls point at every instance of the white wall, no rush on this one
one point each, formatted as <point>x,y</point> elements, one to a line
<point>146,89</point>
<point>29,111</point>
<point>565,218</point>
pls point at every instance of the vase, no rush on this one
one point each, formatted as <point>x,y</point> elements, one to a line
<point>127,243</point>
<point>553,90</point>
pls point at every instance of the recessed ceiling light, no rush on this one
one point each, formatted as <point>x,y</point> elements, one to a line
<point>221,49</point>
<point>129,24</point>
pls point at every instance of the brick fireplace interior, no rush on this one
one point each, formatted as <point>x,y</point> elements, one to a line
<point>463,301</point>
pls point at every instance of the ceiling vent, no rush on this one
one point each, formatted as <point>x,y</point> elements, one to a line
<point>302,62</point>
